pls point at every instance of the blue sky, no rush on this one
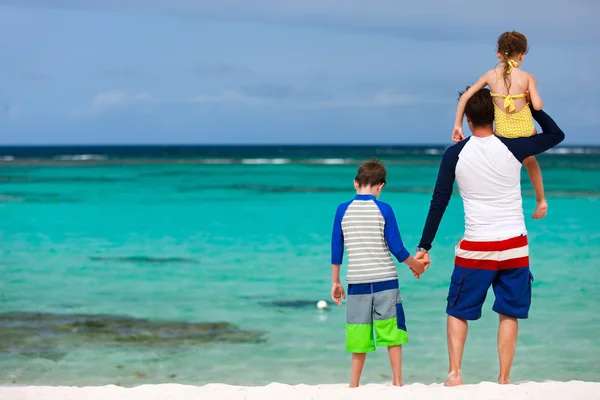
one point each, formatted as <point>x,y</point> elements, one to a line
<point>266,71</point>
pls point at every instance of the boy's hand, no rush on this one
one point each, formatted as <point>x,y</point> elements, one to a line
<point>337,293</point>
<point>419,267</point>
<point>457,134</point>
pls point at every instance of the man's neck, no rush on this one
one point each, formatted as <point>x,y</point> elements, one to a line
<point>482,131</point>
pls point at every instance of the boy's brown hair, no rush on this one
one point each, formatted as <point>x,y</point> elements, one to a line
<point>371,173</point>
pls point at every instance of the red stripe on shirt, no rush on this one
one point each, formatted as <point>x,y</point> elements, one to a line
<point>494,265</point>
<point>500,245</point>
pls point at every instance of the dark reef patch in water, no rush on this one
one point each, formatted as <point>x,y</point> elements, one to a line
<point>293,304</point>
<point>46,335</point>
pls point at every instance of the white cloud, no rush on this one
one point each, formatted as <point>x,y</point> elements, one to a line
<point>109,100</point>
<point>113,98</point>
<point>381,99</point>
<point>228,97</point>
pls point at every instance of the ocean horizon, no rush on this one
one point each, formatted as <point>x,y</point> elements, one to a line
<point>204,263</point>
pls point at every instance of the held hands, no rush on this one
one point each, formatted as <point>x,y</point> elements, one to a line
<point>419,264</point>
<point>423,262</point>
<point>457,134</point>
<point>337,293</point>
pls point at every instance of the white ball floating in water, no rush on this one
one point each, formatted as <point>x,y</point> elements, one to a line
<point>322,304</point>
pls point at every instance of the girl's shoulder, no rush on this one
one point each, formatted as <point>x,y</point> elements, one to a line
<point>494,74</point>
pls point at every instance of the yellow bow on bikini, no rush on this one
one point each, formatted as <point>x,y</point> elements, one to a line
<point>509,102</point>
<point>511,64</point>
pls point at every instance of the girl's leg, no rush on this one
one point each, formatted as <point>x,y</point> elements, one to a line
<point>535,175</point>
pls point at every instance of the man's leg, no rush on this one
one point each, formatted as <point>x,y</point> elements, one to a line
<point>508,331</point>
<point>512,288</point>
<point>468,289</point>
<point>358,362</point>
<point>457,336</point>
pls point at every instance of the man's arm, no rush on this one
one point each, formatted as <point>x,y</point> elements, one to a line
<point>530,146</point>
<point>441,194</point>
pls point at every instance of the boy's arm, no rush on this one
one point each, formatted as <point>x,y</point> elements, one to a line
<point>337,237</point>
<point>462,102</point>
<point>337,255</point>
<point>441,194</point>
<point>392,236</point>
<point>534,95</point>
<point>530,146</point>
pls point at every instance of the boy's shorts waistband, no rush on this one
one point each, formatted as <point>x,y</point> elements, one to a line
<point>370,288</point>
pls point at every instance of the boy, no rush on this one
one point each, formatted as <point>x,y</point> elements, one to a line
<point>368,229</point>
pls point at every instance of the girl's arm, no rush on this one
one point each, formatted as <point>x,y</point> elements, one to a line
<point>462,102</point>
<point>534,95</point>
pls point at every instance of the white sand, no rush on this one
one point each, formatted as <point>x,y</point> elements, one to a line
<point>573,390</point>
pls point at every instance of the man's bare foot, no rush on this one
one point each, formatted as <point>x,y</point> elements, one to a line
<point>540,209</point>
<point>399,383</point>
<point>453,379</point>
<point>504,381</point>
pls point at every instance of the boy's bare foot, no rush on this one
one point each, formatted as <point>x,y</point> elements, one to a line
<point>540,209</point>
<point>453,379</point>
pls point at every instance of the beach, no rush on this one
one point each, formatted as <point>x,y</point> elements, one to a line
<point>486,390</point>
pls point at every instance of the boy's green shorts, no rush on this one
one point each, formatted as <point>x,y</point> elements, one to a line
<point>376,304</point>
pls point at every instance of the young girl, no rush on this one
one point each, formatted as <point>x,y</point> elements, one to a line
<point>511,88</point>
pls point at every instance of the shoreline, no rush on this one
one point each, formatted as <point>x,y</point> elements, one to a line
<point>546,390</point>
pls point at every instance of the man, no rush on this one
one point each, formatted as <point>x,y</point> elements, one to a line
<point>494,250</point>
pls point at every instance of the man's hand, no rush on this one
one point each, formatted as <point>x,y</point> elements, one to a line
<point>337,293</point>
<point>457,134</point>
<point>423,255</point>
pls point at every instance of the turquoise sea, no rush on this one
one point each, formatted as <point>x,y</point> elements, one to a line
<point>204,264</point>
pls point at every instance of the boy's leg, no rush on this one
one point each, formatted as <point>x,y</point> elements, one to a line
<point>358,362</point>
<point>395,354</point>
<point>390,324</point>
<point>535,175</point>
<point>359,327</point>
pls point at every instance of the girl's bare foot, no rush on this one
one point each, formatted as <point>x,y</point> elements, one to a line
<point>453,379</point>
<point>540,209</point>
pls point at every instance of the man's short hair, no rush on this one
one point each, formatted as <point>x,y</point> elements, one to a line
<point>480,108</point>
<point>371,173</point>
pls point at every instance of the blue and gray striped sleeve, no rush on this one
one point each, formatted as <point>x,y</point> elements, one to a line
<point>337,236</point>
<point>392,233</point>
